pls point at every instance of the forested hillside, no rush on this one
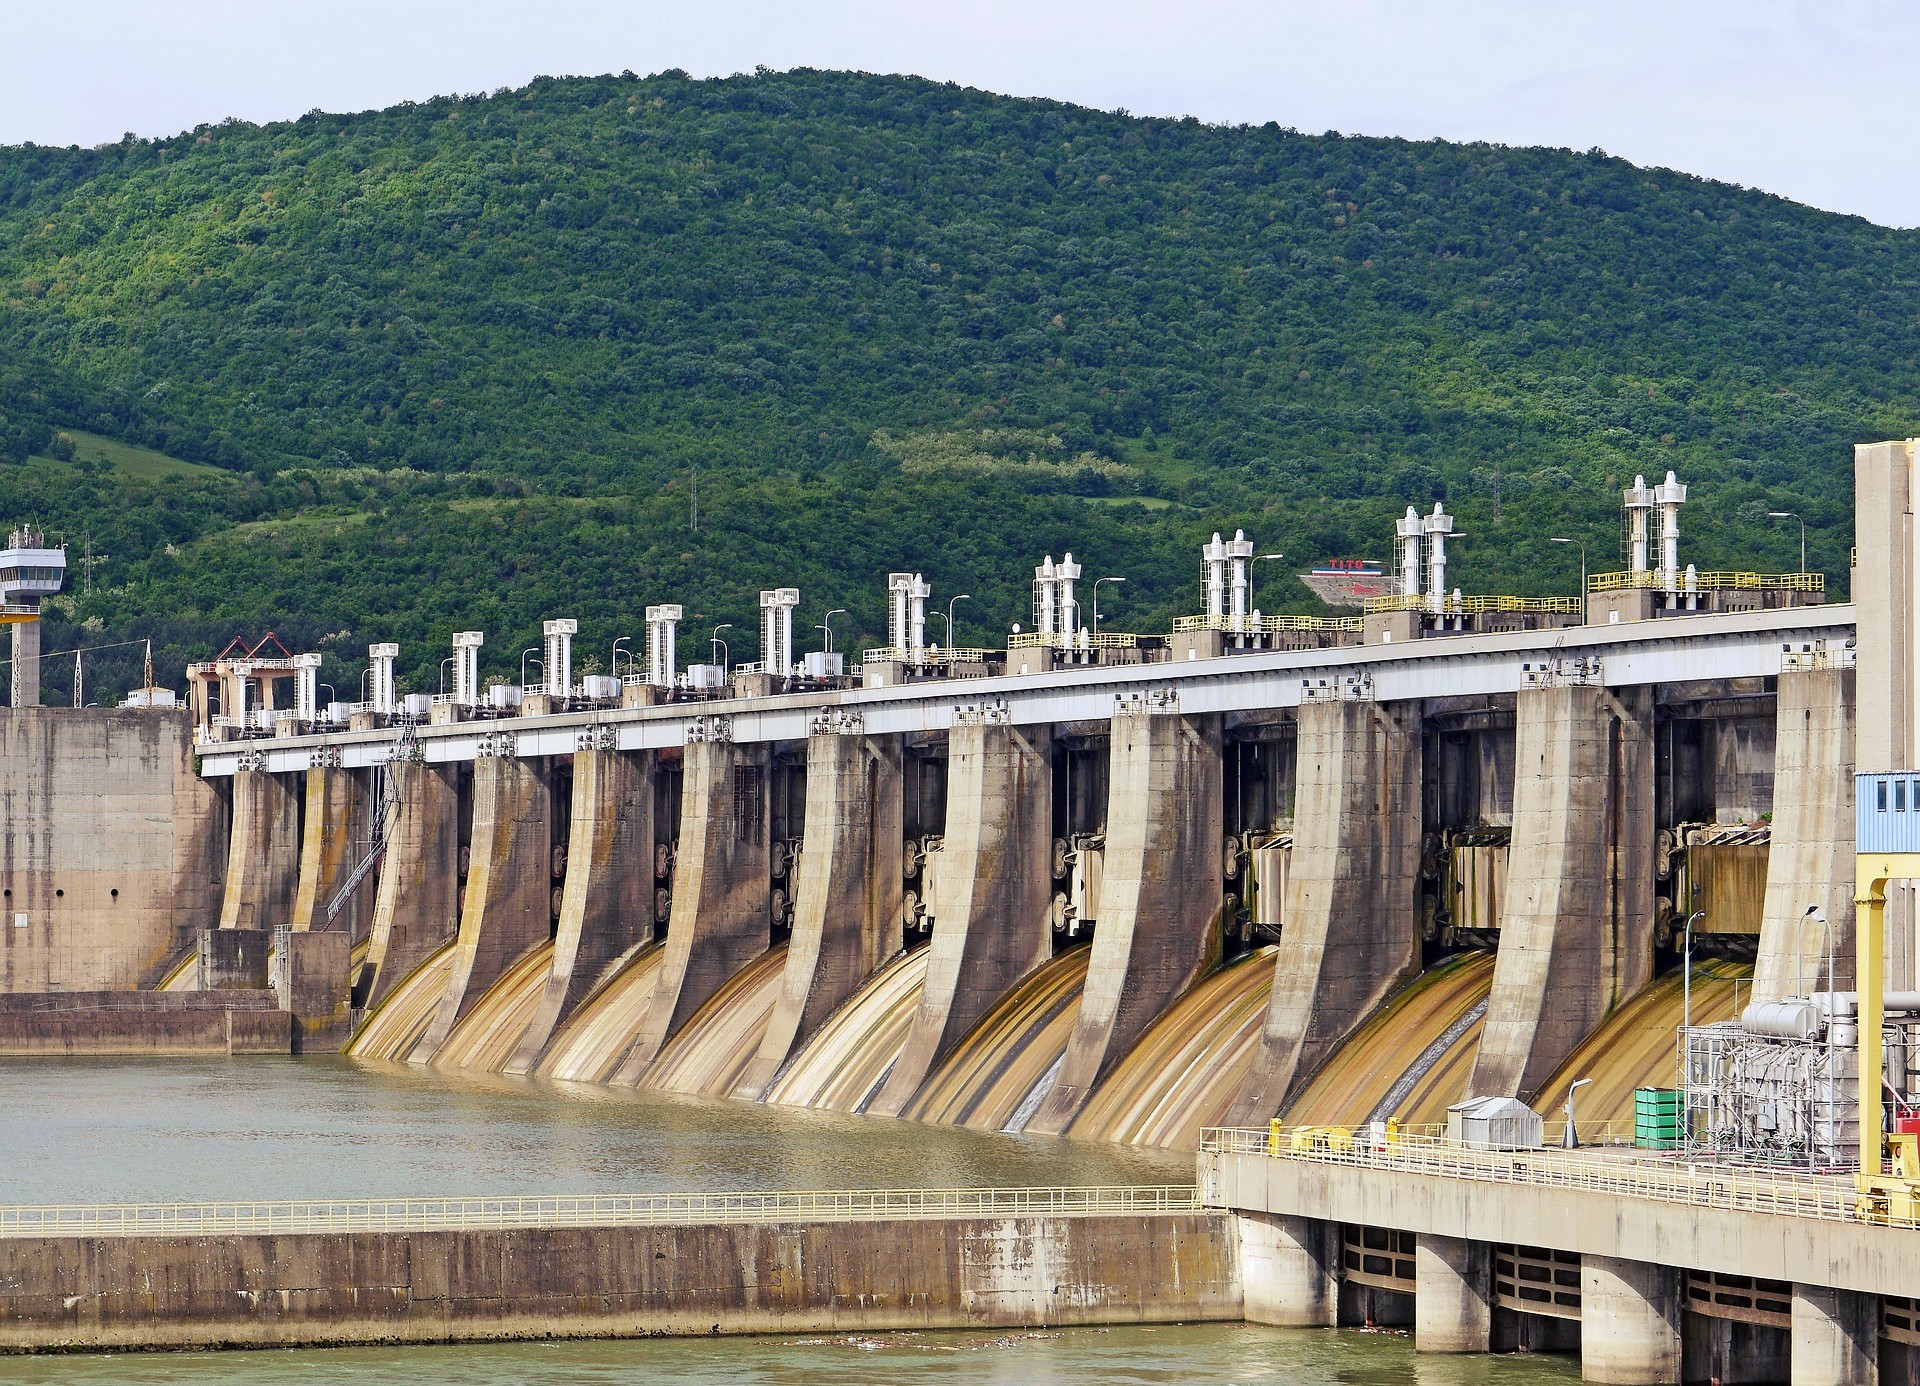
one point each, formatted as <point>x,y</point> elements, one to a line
<point>459,363</point>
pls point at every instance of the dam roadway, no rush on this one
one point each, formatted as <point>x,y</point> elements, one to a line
<point>1673,650</point>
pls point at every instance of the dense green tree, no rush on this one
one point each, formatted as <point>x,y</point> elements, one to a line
<point>458,362</point>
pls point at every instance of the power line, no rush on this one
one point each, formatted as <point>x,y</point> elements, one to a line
<point>81,649</point>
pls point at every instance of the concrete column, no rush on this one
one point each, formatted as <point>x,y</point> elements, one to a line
<point>1288,1270</point>
<point>1630,1318</point>
<point>606,903</point>
<point>508,905</point>
<point>846,911</point>
<point>263,853</point>
<point>996,883</point>
<point>1836,1337</point>
<point>1158,929</point>
<point>1452,1295</point>
<point>26,664</point>
<point>1810,861</point>
<point>1884,577</point>
<point>331,831</point>
<point>721,891</point>
<point>1352,934</point>
<point>1576,933</point>
<point>417,906</point>
<point>233,959</point>
<point>315,990</point>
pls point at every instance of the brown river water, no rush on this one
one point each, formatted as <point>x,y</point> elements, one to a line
<point>117,1130</point>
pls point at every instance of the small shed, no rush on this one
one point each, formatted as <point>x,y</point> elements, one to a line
<point>1494,1123</point>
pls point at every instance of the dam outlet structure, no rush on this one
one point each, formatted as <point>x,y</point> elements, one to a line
<point>1261,888</point>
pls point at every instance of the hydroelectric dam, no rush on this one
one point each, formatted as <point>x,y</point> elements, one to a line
<point>1312,899</point>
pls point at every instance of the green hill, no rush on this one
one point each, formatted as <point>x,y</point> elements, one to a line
<point>457,363</point>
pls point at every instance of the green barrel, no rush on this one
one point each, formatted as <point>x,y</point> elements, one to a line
<point>1656,1118</point>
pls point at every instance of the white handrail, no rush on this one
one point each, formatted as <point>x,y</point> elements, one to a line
<point>585,1210</point>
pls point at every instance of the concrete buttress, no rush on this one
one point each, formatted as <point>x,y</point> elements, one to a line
<point>1158,932</point>
<point>606,902</point>
<point>1836,1337</point>
<point>417,905</point>
<point>996,880</point>
<point>1576,935</point>
<point>1452,1295</point>
<point>1289,1270</point>
<point>1810,861</point>
<point>846,918</point>
<point>1352,934</point>
<point>331,831</point>
<point>507,907</point>
<point>721,891</point>
<point>263,852</point>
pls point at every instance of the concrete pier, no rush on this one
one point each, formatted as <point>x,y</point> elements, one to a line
<point>314,989</point>
<point>508,905</point>
<point>721,891</point>
<point>1576,934</point>
<point>606,903</point>
<point>1351,934</point>
<point>1289,1270</point>
<point>997,880</point>
<point>24,671</point>
<point>1630,1320</point>
<point>263,853</point>
<point>417,906</point>
<point>1810,861</point>
<point>1453,1295</point>
<point>1158,930</point>
<point>331,828</point>
<point>846,918</point>
<point>1836,1337</point>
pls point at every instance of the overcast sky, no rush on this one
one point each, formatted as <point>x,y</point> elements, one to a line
<point>1819,102</point>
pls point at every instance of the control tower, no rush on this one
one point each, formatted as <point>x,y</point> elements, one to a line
<point>29,572</point>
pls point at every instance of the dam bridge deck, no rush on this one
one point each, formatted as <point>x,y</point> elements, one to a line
<point>1671,650</point>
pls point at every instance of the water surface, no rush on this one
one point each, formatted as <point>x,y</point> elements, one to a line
<point>114,1130</point>
<point>1068,1357</point>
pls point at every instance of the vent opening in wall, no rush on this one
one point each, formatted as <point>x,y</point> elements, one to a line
<point>115,892</point>
<point>60,894</point>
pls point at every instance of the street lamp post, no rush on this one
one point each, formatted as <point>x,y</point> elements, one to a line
<point>531,649</point>
<point>827,625</point>
<point>1096,599</point>
<point>1571,1140</point>
<point>443,674</point>
<point>951,603</point>
<point>715,644</point>
<point>1259,558</point>
<point>1791,515</point>
<point>616,654</point>
<point>1583,573</point>
<point>1686,972</point>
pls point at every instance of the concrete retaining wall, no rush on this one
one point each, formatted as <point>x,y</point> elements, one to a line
<point>144,1023</point>
<point>308,1289</point>
<point>112,850</point>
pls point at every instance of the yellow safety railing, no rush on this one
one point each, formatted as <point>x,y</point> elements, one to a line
<point>1266,625</point>
<point>894,654</point>
<point>1708,582</point>
<point>1080,640</point>
<point>1616,1171</point>
<point>586,1210</point>
<point>1473,606</point>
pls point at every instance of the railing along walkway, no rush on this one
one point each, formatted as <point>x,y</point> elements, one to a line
<point>584,1210</point>
<point>1610,1170</point>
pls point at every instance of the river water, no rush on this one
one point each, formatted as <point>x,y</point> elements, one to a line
<point>116,1130</point>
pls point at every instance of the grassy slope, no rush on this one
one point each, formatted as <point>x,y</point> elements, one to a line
<point>455,360</point>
